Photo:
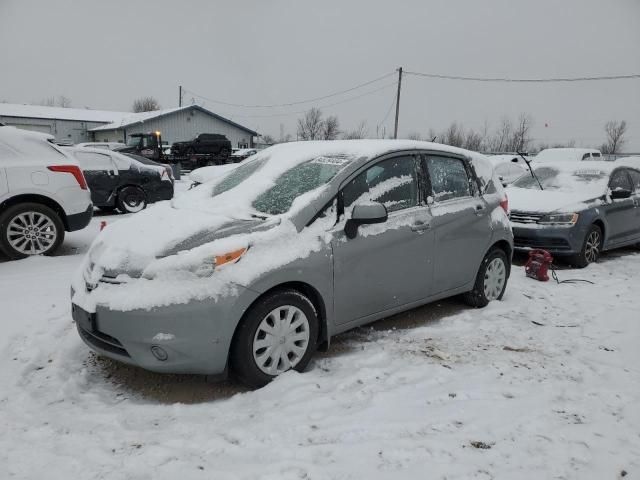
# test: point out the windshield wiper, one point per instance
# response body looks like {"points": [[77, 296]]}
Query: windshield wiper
{"points": [[261, 217], [528, 162]]}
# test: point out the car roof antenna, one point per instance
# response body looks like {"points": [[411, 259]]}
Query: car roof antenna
{"points": [[528, 162]]}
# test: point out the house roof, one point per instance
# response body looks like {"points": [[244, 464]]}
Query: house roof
{"points": [[59, 113], [136, 118]]}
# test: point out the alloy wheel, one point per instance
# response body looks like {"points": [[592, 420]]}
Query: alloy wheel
{"points": [[592, 247], [281, 340], [31, 233], [495, 277]]}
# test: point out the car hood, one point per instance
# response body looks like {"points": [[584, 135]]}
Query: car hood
{"points": [[547, 201], [130, 245]]}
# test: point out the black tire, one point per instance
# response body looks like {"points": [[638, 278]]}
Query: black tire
{"points": [[590, 252], [478, 297], [243, 363], [131, 200], [52, 236]]}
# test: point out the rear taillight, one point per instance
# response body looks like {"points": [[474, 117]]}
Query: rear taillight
{"points": [[504, 203], [73, 170]]}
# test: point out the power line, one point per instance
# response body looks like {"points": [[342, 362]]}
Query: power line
{"points": [[524, 80], [300, 102], [284, 114]]}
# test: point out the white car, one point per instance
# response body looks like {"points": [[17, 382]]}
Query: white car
{"points": [[43, 193], [103, 145], [554, 155]]}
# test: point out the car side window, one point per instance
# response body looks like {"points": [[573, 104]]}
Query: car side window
{"points": [[94, 161], [448, 177], [620, 181], [586, 156], [596, 155], [392, 182], [635, 179]]}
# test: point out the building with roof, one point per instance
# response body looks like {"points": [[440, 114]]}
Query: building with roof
{"points": [[175, 124], [78, 125]]}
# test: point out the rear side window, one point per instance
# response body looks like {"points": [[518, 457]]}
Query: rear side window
{"points": [[449, 178], [94, 161], [596, 155], [620, 181], [586, 156], [391, 182]]}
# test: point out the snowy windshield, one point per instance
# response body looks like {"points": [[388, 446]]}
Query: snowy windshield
{"points": [[288, 186], [134, 141], [569, 181]]}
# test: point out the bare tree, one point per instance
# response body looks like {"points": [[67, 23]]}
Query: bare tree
{"points": [[454, 135], [521, 136], [414, 136], [473, 140], [310, 126], [330, 128], [268, 139], [499, 141], [615, 131], [361, 131], [145, 104], [63, 101]]}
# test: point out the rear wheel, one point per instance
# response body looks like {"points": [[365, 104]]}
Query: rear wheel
{"points": [[491, 280], [30, 229], [277, 334], [131, 200], [591, 248]]}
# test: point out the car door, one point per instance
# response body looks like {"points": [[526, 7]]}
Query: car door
{"points": [[460, 220], [635, 196], [620, 212], [386, 265], [101, 174]]}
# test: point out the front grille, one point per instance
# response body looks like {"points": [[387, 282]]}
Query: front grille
{"points": [[525, 217], [553, 243], [102, 341]]}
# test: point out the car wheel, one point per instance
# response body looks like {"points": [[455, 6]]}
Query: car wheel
{"points": [[491, 280], [277, 334], [30, 229], [591, 248], [131, 200]]}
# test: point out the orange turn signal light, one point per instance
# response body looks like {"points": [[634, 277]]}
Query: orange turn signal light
{"points": [[229, 257]]}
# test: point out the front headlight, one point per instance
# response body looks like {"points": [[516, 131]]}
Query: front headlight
{"points": [[559, 219], [178, 266]]}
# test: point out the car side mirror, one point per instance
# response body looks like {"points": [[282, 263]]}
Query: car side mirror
{"points": [[620, 193], [365, 214]]}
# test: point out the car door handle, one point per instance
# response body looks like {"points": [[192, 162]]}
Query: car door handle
{"points": [[420, 226]]}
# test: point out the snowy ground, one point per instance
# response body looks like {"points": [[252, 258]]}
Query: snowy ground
{"points": [[439, 392]]}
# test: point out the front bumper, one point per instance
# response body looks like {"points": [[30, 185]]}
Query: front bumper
{"points": [[195, 337], [556, 240], [79, 220]]}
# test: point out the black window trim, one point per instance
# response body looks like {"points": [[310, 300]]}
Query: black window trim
{"points": [[625, 170], [421, 198]]}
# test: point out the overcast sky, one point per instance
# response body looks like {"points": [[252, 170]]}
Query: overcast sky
{"points": [[103, 54]]}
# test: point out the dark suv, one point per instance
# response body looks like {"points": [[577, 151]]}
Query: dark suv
{"points": [[205, 143]]}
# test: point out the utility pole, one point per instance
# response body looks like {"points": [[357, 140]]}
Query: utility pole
{"points": [[395, 130], [179, 95]]}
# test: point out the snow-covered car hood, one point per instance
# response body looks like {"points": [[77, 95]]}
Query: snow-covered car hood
{"points": [[130, 245], [547, 201]]}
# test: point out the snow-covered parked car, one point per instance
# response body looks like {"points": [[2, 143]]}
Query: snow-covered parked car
{"points": [[257, 269], [556, 155], [581, 210], [43, 193], [124, 181], [242, 154]]}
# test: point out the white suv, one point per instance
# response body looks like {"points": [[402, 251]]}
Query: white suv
{"points": [[42, 193]]}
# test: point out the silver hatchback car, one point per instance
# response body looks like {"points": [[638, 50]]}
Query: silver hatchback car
{"points": [[255, 270]]}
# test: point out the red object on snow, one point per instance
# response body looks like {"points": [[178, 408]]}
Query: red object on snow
{"points": [[537, 267], [102, 224]]}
